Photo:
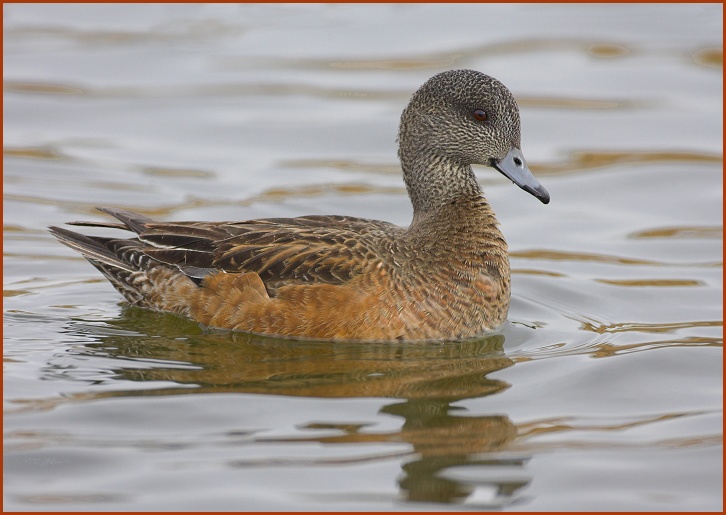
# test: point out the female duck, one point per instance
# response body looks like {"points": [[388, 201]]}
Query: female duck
{"points": [[342, 278]]}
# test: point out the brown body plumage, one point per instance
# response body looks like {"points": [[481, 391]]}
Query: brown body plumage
{"points": [[332, 277]]}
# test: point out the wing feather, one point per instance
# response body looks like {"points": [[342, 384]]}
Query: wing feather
{"points": [[327, 249]]}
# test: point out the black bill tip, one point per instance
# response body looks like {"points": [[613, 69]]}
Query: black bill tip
{"points": [[514, 167]]}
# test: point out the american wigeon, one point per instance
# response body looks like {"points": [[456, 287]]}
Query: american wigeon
{"points": [[444, 277]]}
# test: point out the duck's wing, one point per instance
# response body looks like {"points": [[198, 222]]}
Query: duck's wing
{"points": [[328, 249]]}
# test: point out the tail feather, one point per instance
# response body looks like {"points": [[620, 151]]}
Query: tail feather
{"points": [[130, 220], [122, 261], [93, 248]]}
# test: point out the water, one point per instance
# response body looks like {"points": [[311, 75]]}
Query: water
{"points": [[603, 392]]}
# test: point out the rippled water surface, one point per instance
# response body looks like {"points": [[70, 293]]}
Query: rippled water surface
{"points": [[603, 392]]}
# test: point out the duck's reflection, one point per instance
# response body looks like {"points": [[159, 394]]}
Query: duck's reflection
{"points": [[443, 440], [425, 379]]}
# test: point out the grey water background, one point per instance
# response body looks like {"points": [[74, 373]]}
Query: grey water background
{"points": [[603, 392]]}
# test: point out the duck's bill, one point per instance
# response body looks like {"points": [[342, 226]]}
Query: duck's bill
{"points": [[514, 167]]}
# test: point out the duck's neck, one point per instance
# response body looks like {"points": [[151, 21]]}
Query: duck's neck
{"points": [[435, 182], [464, 223], [449, 208]]}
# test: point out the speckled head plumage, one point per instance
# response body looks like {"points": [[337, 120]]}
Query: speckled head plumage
{"points": [[440, 118], [456, 119]]}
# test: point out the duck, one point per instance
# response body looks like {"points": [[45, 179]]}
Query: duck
{"points": [[341, 278]]}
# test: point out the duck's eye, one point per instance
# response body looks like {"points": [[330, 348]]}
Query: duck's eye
{"points": [[480, 115]]}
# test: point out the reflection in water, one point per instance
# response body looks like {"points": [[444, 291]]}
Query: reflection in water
{"points": [[555, 255], [711, 57], [425, 379], [580, 161], [683, 232], [441, 441]]}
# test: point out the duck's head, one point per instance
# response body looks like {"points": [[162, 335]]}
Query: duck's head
{"points": [[464, 117]]}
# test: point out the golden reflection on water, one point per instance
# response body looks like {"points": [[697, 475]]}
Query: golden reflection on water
{"points": [[555, 255], [607, 50], [661, 283], [699, 232], [178, 172], [41, 88], [589, 160], [528, 271], [33, 153], [668, 327], [563, 425], [575, 103], [342, 165], [578, 256], [712, 57], [390, 64], [606, 349]]}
